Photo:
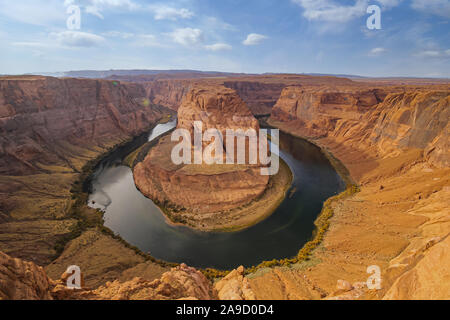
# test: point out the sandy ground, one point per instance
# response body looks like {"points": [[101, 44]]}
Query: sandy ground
{"points": [[402, 211]]}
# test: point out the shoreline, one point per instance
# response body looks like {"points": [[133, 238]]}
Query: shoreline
{"points": [[286, 177], [258, 209], [80, 194], [337, 164], [381, 222], [322, 221], [215, 273]]}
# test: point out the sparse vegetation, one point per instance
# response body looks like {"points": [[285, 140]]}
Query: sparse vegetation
{"points": [[89, 218], [322, 225]]}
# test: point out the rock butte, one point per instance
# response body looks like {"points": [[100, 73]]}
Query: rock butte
{"points": [[208, 197], [391, 134]]}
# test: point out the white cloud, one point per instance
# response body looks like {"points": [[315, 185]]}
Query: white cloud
{"points": [[213, 23], [160, 11], [376, 52], [218, 47], [254, 39], [187, 36], [434, 54], [41, 13], [77, 39], [148, 40], [328, 10], [63, 40], [164, 12], [137, 40], [118, 34], [95, 11], [389, 3], [95, 7], [430, 53], [30, 44], [331, 11], [437, 7], [38, 54]]}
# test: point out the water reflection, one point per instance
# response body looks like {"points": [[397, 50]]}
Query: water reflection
{"points": [[140, 222]]}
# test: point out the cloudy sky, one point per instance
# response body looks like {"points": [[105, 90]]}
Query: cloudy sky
{"points": [[254, 36]]}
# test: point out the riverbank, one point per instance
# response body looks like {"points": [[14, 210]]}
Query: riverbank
{"points": [[237, 218], [322, 222], [234, 220], [241, 218], [257, 211], [306, 153], [88, 238], [141, 222]]}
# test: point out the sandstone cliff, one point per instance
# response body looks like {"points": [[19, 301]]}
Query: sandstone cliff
{"points": [[203, 188], [392, 121], [394, 143], [417, 120], [20, 280], [49, 129], [259, 96], [168, 93], [393, 139], [316, 111], [260, 93], [41, 119], [216, 108], [202, 195]]}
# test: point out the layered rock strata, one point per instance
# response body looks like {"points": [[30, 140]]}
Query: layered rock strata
{"points": [[49, 130], [20, 280], [205, 195], [43, 119], [385, 119], [393, 140], [395, 149]]}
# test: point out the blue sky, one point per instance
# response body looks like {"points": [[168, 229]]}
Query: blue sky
{"points": [[253, 36]]}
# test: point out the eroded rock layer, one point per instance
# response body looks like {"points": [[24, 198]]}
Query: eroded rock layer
{"points": [[20, 280], [208, 190], [260, 93], [395, 145], [392, 135], [168, 93], [391, 119], [49, 130], [42, 118]]}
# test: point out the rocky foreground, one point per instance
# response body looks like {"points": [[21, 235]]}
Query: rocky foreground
{"points": [[394, 140], [20, 280]]}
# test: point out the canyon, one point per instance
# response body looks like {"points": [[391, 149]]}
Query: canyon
{"points": [[392, 137], [50, 130]]}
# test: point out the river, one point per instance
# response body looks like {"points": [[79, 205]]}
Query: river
{"points": [[141, 223]]}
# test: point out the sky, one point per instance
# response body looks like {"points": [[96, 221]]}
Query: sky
{"points": [[250, 36]]}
